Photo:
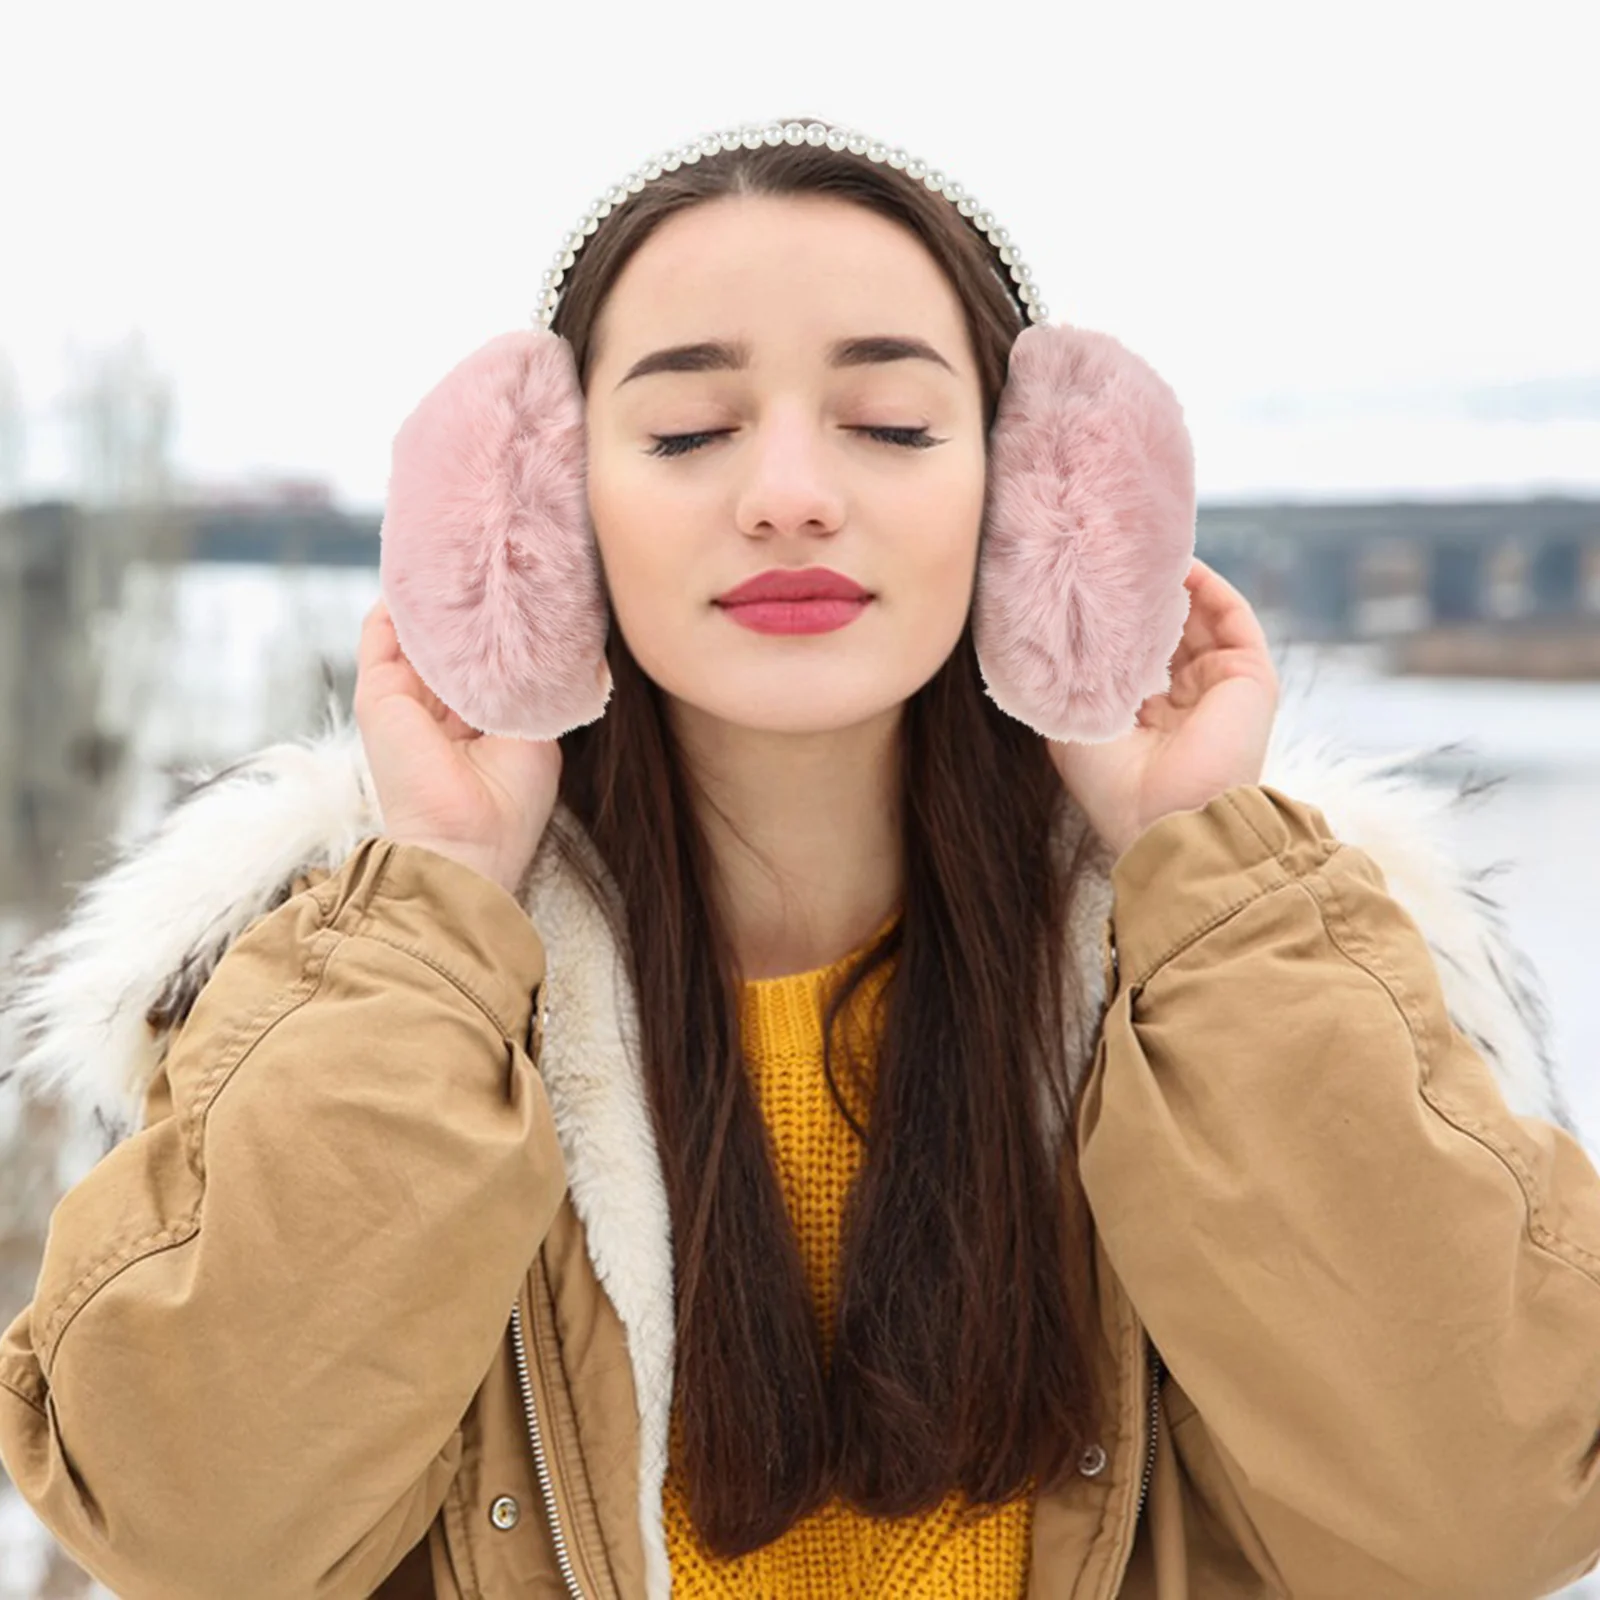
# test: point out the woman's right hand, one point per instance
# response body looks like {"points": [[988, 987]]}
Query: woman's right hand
{"points": [[481, 799]]}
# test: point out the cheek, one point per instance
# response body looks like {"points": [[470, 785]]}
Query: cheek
{"points": [[940, 525], [649, 551], [632, 527]]}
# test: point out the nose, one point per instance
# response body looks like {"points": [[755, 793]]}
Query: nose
{"points": [[791, 480]]}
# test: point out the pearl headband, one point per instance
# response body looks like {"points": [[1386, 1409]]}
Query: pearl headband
{"points": [[753, 137]]}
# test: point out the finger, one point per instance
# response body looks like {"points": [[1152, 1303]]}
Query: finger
{"points": [[382, 667], [378, 642]]}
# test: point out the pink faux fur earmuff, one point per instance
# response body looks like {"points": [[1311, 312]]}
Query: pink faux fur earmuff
{"points": [[486, 557]]}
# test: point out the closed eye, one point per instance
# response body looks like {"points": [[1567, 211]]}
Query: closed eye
{"points": [[679, 444]]}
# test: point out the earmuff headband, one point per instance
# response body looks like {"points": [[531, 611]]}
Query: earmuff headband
{"points": [[491, 572]]}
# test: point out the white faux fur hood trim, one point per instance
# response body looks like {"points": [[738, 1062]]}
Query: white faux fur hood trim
{"points": [[73, 1016], [73, 1008]]}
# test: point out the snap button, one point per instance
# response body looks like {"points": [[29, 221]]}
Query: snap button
{"points": [[1092, 1461], [504, 1512]]}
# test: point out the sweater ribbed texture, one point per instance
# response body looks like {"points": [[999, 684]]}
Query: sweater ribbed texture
{"points": [[835, 1553]]}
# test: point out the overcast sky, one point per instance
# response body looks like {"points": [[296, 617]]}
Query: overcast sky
{"points": [[1358, 239]]}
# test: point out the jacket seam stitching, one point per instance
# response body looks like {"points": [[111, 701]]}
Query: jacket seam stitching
{"points": [[266, 1017], [1331, 910], [1232, 803], [363, 929], [455, 980], [456, 1500], [172, 1236], [1207, 924], [27, 1399], [1275, 858]]}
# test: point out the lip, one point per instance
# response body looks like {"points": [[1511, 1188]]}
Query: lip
{"points": [[794, 584], [796, 616]]}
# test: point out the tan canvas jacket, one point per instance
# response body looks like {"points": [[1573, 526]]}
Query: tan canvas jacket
{"points": [[371, 1291]]}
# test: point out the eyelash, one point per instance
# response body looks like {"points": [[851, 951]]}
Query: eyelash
{"points": [[669, 445]]}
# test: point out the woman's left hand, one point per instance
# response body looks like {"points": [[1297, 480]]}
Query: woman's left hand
{"points": [[1207, 733]]}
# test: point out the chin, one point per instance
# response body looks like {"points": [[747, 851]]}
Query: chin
{"points": [[795, 701], [814, 689]]}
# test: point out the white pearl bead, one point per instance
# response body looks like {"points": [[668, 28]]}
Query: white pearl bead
{"points": [[915, 169], [816, 132], [773, 133], [795, 132], [897, 159], [752, 139], [856, 144], [964, 207], [837, 140], [876, 152]]}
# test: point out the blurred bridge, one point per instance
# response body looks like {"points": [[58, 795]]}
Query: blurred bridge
{"points": [[1506, 588]]}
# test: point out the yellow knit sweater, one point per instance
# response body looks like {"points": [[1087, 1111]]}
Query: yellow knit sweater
{"points": [[836, 1553]]}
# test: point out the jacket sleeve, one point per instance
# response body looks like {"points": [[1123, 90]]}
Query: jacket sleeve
{"points": [[260, 1319], [1378, 1288]]}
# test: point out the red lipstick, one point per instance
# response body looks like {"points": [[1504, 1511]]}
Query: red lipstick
{"points": [[795, 600]]}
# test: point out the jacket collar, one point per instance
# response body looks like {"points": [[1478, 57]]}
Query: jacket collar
{"points": [[73, 1022]]}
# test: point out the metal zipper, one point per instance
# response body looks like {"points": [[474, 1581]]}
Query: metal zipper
{"points": [[546, 1484], [1157, 1367]]}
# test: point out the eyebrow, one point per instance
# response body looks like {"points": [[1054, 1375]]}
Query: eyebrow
{"points": [[721, 355]]}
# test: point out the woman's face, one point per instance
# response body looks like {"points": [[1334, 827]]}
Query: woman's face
{"points": [[790, 475]]}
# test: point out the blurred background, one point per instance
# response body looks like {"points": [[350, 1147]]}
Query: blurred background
{"points": [[238, 244]]}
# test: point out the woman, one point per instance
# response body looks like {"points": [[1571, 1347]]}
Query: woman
{"points": [[802, 1132]]}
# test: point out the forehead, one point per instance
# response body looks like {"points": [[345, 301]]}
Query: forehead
{"points": [[804, 266]]}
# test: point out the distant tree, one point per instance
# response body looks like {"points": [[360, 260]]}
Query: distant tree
{"points": [[13, 433], [119, 414]]}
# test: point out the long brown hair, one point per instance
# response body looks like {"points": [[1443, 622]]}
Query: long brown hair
{"points": [[959, 1354]]}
